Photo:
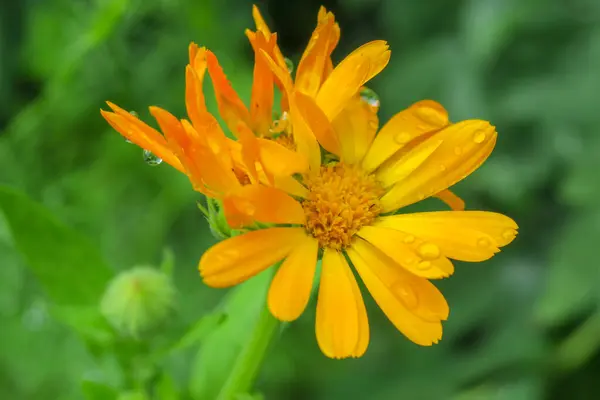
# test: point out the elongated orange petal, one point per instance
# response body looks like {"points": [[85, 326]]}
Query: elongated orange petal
{"points": [[291, 186], [311, 67], [461, 235], [261, 101], [356, 126], [318, 123], [256, 202], [250, 148], [349, 75], [279, 160], [141, 134], [451, 199], [333, 42], [462, 148], [231, 107], [290, 289], [194, 78], [412, 304], [342, 325], [403, 128], [234, 260], [412, 253], [303, 136]]}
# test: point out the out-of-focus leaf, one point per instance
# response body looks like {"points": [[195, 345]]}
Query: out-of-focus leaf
{"points": [[87, 322], [68, 267], [98, 391], [199, 331], [166, 389], [220, 349]]}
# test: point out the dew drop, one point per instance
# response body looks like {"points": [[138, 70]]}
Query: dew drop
{"points": [[402, 137], [134, 114], [509, 234], [483, 242], [442, 167], [430, 116], [151, 159], [424, 265], [409, 239], [370, 97], [407, 295], [479, 137], [289, 64], [429, 251]]}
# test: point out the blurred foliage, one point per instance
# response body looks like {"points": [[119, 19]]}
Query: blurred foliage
{"points": [[78, 204]]}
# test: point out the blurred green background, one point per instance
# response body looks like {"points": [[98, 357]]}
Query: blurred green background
{"points": [[79, 203]]}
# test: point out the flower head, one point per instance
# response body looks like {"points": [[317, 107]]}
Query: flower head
{"points": [[331, 183]]}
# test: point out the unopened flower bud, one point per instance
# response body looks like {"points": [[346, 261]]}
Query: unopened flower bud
{"points": [[137, 300]]}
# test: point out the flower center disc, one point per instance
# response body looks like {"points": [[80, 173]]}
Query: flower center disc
{"points": [[341, 200]]}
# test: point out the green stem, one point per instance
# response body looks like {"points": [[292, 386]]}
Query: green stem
{"points": [[250, 359]]}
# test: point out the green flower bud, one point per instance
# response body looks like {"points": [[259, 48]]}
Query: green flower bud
{"points": [[137, 300]]}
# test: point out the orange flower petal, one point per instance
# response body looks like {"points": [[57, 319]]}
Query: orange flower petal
{"points": [[256, 202], [318, 123], [403, 128], [141, 134], [303, 136], [194, 77], [458, 150], [413, 254], [311, 67], [261, 101], [461, 235], [291, 186], [451, 199], [333, 42], [290, 289], [279, 160], [236, 259], [356, 126], [352, 73], [342, 325], [231, 107], [412, 304]]}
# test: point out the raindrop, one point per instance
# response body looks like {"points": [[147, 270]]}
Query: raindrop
{"points": [[402, 137], [370, 97], [509, 234], [289, 64], [424, 265], [407, 295], [442, 167], [483, 242], [134, 114], [429, 251], [431, 116], [151, 159], [479, 137], [409, 239]]}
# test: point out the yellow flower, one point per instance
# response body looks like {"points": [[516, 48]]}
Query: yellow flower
{"points": [[329, 184], [348, 211]]}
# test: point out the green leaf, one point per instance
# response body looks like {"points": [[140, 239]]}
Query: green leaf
{"points": [[98, 391], [220, 350], [199, 331], [68, 267]]}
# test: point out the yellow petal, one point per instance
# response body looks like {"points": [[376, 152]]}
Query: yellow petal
{"points": [[349, 75], [412, 304], [311, 67], [356, 126], [261, 203], [413, 254], [232, 109], [403, 128], [291, 186], [234, 260], [279, 160], [458, 150], [141, 134], [303, 136], [333, 42], [194, 77], [342, 325], [318, 123], [261, 101], [290, 289], [259, 21], [461, 235], [451, 199]]}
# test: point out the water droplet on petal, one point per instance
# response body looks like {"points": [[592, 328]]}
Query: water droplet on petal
{"points": [[483, 242], [134, 114], [430, 116], [424, 265], [409, 239], [370, 97], [289, 64], [509, 234], [406, 294], [442, 167], [479, 137], [429, 251], [151, 159], [402, 137]]}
